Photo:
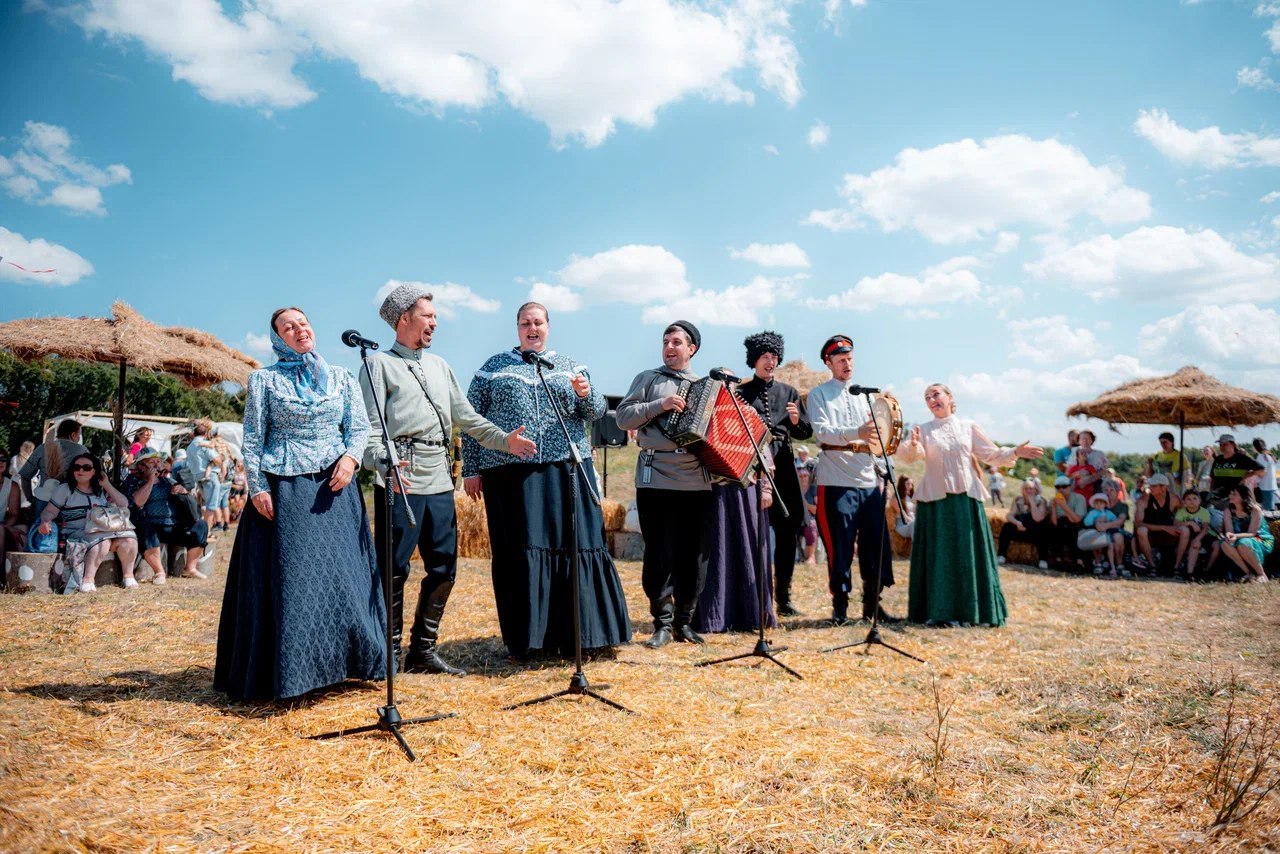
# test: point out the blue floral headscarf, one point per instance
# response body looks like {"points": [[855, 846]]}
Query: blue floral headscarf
{"points": [[309, 370]]}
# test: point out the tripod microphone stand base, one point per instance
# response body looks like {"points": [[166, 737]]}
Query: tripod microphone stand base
{"points": [[578, 685], [762, 650], [873, 639], [389, 720]]}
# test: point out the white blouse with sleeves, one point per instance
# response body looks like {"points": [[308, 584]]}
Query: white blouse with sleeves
{"points": [[950, 446]]}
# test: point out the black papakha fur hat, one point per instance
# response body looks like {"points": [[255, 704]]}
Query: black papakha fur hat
{"points": [[761, 343]]}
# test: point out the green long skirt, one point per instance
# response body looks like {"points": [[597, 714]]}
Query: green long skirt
{"points": [[953, 565]]}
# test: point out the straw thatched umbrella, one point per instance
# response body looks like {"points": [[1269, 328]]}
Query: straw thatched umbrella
{"points": [[797, 373], [1189, 398], [127, 338]]}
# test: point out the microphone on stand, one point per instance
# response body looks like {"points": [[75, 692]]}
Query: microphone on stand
{"points": [[354, 339], [533, 358], [723, 376], [863, 389]]}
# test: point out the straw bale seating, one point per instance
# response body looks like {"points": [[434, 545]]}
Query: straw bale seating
{"points": [[473, 525], [32, 572]]}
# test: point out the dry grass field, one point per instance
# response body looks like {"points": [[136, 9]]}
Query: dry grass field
{"points": [[1093, 721]]}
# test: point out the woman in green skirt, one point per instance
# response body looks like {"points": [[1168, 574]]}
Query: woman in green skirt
{"points": [[954, 580]]}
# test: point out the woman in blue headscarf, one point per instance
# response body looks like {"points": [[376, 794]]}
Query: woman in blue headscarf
{"points": [[303, 605]]}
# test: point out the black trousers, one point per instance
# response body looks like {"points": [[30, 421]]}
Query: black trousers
{"points": [[676, 527], [1036, 533], [436, 535]]}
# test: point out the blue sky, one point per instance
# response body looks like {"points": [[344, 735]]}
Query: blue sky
{"points": [[1033, 202]]}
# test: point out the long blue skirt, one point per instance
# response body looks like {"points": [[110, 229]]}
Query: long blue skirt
{"points": [[527, 505], [728, 602], [303, 606]]}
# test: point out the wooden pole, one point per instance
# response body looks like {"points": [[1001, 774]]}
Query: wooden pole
{"points": [[118, 426], [1182, 454]]}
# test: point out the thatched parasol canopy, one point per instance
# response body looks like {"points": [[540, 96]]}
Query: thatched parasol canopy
{"points": [[127, 338], [1189, 398], [797, 373], [197, 358]]}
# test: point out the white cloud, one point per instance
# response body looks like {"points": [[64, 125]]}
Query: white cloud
{"points": [[257, 344], [1046, 340], [1270, 197], [38, 254], [1006, 242], [950, 281], [633, 274], [1209, 146], [964, 190], [751, 304], [1024, 403], [772, 255], [555, 297], [448, 297], [579, 66], [248, 62], [44, 171], [1163, 264], [1240, 336], [831, 9], [1255, 78], [819, 135], [772, 149]]}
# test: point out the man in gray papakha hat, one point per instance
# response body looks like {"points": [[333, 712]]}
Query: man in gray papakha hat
{"points": [[420, 398]]}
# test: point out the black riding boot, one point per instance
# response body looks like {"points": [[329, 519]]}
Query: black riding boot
{"points": [[422, 657], [683, 626], [839, 608], [663, 614], [782, 592], [869, 604]]}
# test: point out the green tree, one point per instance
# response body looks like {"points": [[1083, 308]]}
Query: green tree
{"points": [[33, 391]]}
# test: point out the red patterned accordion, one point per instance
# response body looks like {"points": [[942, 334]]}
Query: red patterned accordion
{"points": [[710, 426]]}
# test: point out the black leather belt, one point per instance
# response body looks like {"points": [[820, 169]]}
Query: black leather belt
{"points": [[426, 443]]}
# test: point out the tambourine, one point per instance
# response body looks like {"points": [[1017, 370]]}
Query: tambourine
{"points": [[887, 415]]}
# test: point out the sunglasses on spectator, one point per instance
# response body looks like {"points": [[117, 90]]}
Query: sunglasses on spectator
{"points": [[82, 467]]}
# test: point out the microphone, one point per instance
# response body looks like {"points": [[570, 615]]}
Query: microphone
{"points": [[532, 358], [723, 376], [862, 389], [354, 339]]}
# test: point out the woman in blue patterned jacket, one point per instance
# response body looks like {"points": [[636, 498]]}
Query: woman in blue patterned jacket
{"points": [[527, 501], [303, 605]]}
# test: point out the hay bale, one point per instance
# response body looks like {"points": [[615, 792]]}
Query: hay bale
{"points": [[615, 514], [473, 527], [1018, 552]]}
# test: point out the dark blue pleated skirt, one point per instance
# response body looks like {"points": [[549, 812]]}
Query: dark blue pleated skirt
{"points": [[527, 506], [728, 602], [303, 608]]}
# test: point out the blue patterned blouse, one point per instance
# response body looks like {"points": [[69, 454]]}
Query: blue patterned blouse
{"points": [[507, 392], [286, 435]]}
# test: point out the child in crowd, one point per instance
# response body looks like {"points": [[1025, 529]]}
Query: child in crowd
{"points": [[1195, 518], [1101, 536], [996, 485]]}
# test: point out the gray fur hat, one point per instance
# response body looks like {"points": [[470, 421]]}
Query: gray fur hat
{"points": [[401, 300]]}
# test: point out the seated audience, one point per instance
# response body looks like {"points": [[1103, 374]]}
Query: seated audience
{"points": [[1089, 465], [12, 532], [1204, 472], [1140, 488], [1194, 517], [51, 458], [1066, 515], [1027, 522], [87, 487], [1246, 538], [1115, 491], [1171, 463], [1154, 527], [149, 493], [1101, 535], [1267, 479], [141, 439], [903, 521]]}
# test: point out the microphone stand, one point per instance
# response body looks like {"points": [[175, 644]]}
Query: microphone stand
{"points": [[873, 636], [762, 648], [389, 719], [578, 684]]}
